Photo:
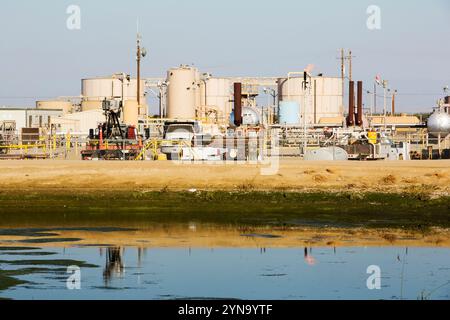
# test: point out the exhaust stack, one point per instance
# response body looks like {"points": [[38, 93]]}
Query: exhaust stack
{"points": [[238, 104], [359, 115], [351, 104]]}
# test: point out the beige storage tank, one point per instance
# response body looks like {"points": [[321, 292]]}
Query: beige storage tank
{"points": [[65, 106], [91, 105], [110, 87], [131, 112], [182, 92], [323, 101], [218, 94]]}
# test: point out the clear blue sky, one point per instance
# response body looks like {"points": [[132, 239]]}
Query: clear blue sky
{"points": [[41, 58]]}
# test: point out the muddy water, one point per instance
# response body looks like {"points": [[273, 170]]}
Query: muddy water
{"points": [[111, 272]]}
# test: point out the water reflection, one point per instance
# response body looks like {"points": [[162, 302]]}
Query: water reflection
{"points": [[242, 273], [114, 264]]}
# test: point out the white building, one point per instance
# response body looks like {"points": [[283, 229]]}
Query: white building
{"points": [[29, 117]]}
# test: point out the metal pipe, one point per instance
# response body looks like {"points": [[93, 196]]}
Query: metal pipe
{"points": [[315, 101], [359, 116], [238, 104]]}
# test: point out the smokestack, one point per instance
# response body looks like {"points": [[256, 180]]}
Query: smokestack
{"points": [[351, 104], [359, 116], [393, 104], [238, 104]]}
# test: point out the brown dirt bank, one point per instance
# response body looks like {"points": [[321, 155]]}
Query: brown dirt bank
{"points": [[431, 177]]}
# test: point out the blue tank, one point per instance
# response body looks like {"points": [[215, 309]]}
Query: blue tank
{"points": [[289, 113]]}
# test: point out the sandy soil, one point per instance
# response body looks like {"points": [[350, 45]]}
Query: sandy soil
{"points": [[225, 237], [295, 175]]}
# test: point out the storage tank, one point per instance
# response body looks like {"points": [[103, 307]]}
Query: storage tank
{"points": [[91, 105], [324, 99], [182, 92], [218, 94], [289, 113], [65, 106], [110, 87], [131, 112], [439, 123], [326, 154]]}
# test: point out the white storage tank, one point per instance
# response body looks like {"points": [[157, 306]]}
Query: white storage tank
{"points": [[183, 92], [65, 106], [98, 89], [218, 94], [131, 113], [439, 124], [324, 100]]}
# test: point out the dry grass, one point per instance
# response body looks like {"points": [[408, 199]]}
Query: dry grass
{"points": [[390, 179], [320, 178]]}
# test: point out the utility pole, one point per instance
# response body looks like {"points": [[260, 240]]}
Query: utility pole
{"points": [[350, 66], [140, 53], [385, 86], [343, 73], [138, 58]]}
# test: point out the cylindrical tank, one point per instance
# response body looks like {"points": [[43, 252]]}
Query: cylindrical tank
{"points": [[65, 106], [91, 105], [324, 99], [131, 112], [289, 113], [218, 94], [182, 93], [109, 88], [439, 124]]}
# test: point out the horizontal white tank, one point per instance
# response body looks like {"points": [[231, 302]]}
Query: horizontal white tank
{"points": [[98, 89], [183, 92], [325, 94], [326, 154]]}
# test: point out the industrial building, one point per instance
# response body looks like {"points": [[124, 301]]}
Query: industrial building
{"points": [[305, 112]]}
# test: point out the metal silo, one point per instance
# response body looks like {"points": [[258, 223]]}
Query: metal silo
{"points": [[182, 92]]}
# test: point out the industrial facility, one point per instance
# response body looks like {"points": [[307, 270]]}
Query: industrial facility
{"points": [[206, 118]]}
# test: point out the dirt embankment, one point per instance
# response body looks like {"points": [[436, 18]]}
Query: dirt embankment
{"points": [[431, 177]]}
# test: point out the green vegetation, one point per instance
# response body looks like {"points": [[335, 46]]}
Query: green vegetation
{"points": [[118, 208]]}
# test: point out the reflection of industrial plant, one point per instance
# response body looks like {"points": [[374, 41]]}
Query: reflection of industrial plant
{"points": [[313, 116], [114, 266]]}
